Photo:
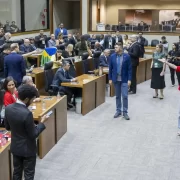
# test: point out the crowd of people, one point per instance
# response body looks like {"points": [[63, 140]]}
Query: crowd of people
{"points": [[120, 54]]}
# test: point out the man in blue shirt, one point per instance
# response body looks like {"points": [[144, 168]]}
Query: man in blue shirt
{"points": [[120, 71], [26, 47], [61, 29]]}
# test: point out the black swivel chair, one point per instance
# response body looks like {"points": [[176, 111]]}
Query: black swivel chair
{"points": [[96, 56], [61, 47], [85, 56], [154, 42], [49, 75], [146, 42], [85, 63], [86, 36]]}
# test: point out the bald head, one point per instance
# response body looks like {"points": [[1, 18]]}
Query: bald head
{"points": [[7, 36]]}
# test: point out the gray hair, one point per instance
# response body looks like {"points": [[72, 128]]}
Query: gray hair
{"points": [[26, 79], [134, 36], [65, 63], [14, 46], [106, 50]]}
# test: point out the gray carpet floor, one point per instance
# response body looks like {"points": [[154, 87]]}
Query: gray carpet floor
{"points": [[98, 147]]}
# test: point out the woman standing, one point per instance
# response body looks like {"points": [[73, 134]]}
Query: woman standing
{"points": [[172, 58], [11, 94], [158, 68]]}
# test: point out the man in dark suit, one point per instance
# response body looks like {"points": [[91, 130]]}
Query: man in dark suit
{"points": [[26, 47], [14, 64], [104, 59], [118, 38], [62, 75], [120, 75], [141, 41], [134, 53], [109, 41], [5, 39], [19, 120], [41, 40], [6, 51], [71, 40]]}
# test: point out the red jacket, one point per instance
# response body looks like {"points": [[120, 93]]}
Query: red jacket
{"points": [[178, 70], [9, 99]]}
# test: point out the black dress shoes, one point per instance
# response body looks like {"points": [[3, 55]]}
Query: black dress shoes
{"points": [[126, 117]]}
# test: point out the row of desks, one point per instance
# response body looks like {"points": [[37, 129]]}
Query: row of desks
{"points": [[56, 127]]}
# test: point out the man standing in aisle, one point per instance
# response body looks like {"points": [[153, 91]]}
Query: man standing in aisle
{"points": [[120, 71], [134, 53], [19, 120]]}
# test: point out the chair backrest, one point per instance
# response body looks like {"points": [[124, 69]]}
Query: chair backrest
{"points": [[61, 47], [154, 42], [146, 42], [85, 55], [96, 56], [49, 75], [86, 67]]}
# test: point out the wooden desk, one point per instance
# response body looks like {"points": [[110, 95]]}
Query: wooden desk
{"points": [[38, 77], [5, 162], [37, 57], [56, 125], [93, 91], [149, 50]]}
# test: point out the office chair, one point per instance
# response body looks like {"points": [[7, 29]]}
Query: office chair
{"points": [[61, 47], [93, 43], [85, 56], [49, 75], [154, 42], [146, 42], [96, 56], [86, 36], [114, 28]]}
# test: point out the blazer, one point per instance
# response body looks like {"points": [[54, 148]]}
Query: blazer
{"points": [[60, 77], [104, 61], [39, 43], [25, 49], [19, 120], [134, 52], [14, 65], [57, 31], [9, 98], [119, 39], [106, 43], [126, 71], [51, 43], [141, 42]]}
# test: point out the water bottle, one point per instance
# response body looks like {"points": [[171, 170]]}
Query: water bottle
{"points": [[2, 114], [58, 96], [43, 105], [100, 71]]}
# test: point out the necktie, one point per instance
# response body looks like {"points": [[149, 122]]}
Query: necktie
{"points": [[118, 64]]}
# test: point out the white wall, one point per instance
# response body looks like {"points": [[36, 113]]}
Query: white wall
{"points": [[94, 15], [33, 9], [84, 16], [5, 11]]}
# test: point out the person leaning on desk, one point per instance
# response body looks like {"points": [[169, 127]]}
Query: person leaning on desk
{"points": [[62, 75]]}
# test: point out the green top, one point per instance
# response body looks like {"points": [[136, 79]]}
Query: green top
{"points": [[156, 56]]}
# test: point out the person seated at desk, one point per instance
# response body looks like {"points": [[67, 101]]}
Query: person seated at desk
{"points": [[32, 43], [28, 80], [11, 94], [57, 59], [104, 59], [97, 47], [52, 41], [6, 51], [60, 40], [69, 52], [62, 75], [26, 47], [71, 40]]}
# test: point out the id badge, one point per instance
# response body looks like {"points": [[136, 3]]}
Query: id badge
{"points": [[43, 42], [156, 65]]}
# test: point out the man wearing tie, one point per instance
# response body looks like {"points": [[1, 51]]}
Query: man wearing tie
{"points": [[104, 59], [62, 75], [118, 37], [134, 53], [120, 75]]}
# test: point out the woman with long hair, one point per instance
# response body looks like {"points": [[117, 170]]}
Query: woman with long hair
{"points": [[60, 39], [11, 94], [158, 69], [57, 59], [69, 51]]}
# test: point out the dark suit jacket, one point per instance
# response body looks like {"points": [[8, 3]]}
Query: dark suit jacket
{"points": [[71, 41], [141, 42], [61, 76], [106, 43], [39, 43], [2, 56], [119, 39], [19, 120], [126, 70], [25, 49], [104, 61], [134, 52], [14, 65]]}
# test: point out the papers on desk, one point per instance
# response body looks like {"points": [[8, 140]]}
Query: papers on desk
{"points": [[32, 108], [86, 80]]}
